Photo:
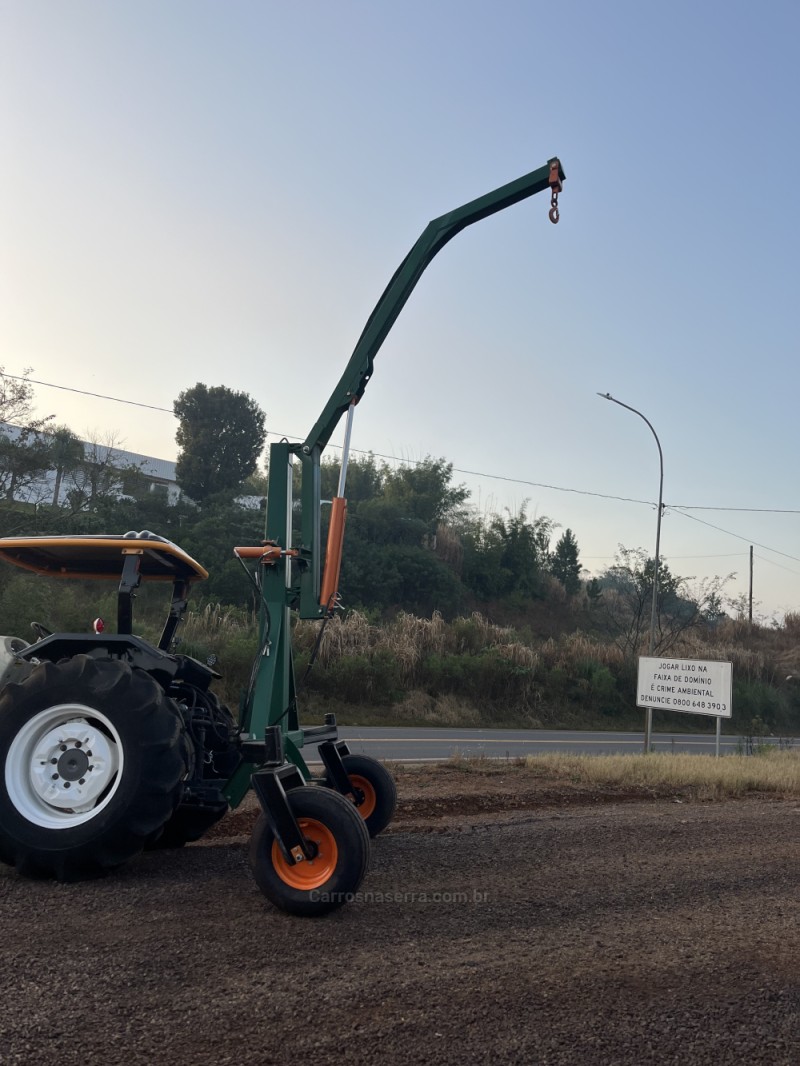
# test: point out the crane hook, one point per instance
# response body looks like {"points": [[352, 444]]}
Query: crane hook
{"points": [[555, 189]]}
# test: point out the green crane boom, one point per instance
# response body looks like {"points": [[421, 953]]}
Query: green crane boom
{"points": [[291, 576], [433, 238]]}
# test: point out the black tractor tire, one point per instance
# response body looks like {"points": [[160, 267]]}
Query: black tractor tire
{"points": [[375, 789], [92, 764], [192, 820], [313, 888]]}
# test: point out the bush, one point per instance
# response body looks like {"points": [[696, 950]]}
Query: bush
{"points": [[757, 701], [359, 679], [63, 606], [488, 678]]}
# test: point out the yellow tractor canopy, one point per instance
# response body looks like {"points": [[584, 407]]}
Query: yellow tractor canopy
{"points": [[102, 556]]}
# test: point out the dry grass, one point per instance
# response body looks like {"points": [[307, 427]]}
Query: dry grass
{"points": [[705, 777], [757, 654], [215, 620], [445, 710], [472, 671], [574, 648], [411, 639]]}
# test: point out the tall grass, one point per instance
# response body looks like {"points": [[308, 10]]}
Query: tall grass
{"points": [[425, 667], [468, 671], [703, 776], [471, 671]]}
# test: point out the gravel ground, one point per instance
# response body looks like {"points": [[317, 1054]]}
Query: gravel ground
{"points": [[624, 932]]}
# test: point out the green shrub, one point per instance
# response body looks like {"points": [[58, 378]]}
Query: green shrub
{"points": [[359, 679], [757, 701]]}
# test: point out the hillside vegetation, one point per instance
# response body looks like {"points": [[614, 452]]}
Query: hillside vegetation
{"points": [[450, 617], [551, 671]]}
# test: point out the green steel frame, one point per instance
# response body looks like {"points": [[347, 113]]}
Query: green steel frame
{"points": [[295, 581]]}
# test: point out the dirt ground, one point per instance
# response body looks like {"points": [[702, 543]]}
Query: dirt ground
{"points": [[503, 920]]}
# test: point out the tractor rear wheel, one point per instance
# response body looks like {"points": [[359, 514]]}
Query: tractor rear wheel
{"points": [[319, 885], [219, 756], [92, 764], [376, 792]]}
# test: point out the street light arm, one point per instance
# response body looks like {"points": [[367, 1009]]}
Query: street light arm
{"points": [[608, 396], [654, 604]]}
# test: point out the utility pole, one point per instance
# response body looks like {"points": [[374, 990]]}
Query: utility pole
{"points": [[648, 724]]}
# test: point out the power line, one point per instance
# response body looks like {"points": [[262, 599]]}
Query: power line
{"points": [[512, 480], [751, 510], [747, 540], [379, 455], [726, 555], [678, 508], [82, 392], [779, 565]]}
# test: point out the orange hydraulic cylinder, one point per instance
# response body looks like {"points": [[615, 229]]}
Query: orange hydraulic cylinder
{"points": [[333, 552]]}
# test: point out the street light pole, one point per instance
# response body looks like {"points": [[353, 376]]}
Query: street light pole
{"points": [[648, 730]]}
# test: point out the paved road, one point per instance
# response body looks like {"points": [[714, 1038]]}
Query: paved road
{"points": [[421, 744]]}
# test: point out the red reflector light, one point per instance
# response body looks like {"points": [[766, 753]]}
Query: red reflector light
{"points": [[98, 625]]}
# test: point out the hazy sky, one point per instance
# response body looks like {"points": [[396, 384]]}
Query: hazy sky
{"points": [[219, 192]]}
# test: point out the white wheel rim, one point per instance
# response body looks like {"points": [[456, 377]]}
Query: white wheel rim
{"points": [[64, 766]]}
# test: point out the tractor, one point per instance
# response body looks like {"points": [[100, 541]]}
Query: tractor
{"points": [[111, 745]]}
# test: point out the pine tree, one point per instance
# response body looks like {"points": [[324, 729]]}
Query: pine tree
{"points": [[564, 562]]}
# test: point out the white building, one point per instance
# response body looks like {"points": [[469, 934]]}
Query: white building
{"points": [[105, 468]]}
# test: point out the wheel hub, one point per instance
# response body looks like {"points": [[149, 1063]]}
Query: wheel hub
{"points": [[63, 765], [73, 764]]}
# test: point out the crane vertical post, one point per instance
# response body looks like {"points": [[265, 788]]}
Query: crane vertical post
{"points": [[272, 699]]}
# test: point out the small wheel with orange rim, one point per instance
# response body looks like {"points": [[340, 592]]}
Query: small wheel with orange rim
{"points": [[340, 845], [374, 790]]}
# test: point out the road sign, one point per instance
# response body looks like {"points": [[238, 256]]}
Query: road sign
{"points": [[694, 686]]}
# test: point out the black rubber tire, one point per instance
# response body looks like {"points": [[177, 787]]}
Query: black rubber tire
{"points": [[383, 786], [40, 837], [340, 819], [190, 822]]}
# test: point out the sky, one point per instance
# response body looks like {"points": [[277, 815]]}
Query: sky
{"points": [[219, 192]]}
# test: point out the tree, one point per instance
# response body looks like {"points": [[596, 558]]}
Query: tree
{"points": [[507, 555], [101, 474], [714, 611], [221, 434], [23, 452], [24, 461], [210, 538], [66, 455], [564, 562], [424, 491], [594, 592], [16, 402], [394, 517], [628, 598], [364, 478]]}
